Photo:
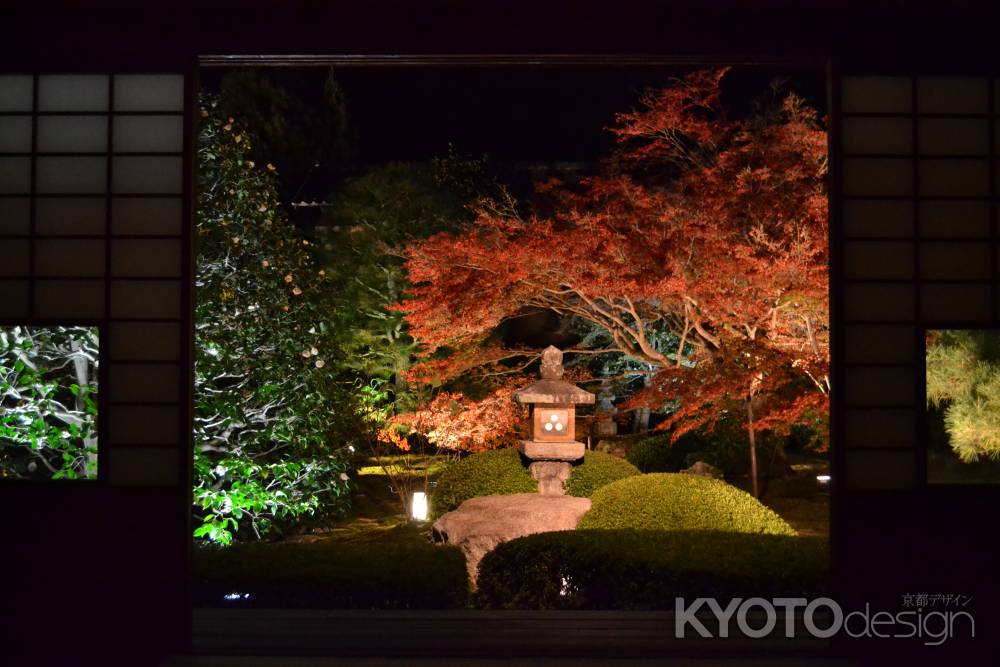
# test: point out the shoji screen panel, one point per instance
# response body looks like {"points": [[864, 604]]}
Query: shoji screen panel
{"points": [[918, 244], [92, 200]]}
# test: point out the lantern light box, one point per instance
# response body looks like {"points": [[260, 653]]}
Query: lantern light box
{"points": [[552, 402]]}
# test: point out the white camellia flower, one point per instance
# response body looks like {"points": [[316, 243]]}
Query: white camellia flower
{"points": [[343, 476], [320, 363]]}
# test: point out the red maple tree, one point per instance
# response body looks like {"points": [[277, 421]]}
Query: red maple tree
{"points": [[710, 228]]}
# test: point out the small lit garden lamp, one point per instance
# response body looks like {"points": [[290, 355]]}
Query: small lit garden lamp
{"points": [[552, 402], [418, 506]]}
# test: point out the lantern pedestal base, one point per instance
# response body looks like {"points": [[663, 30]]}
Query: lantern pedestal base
{"points": [[552, 451]]}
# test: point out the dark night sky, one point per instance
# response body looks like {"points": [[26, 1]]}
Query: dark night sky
{"points": [[511, 113]]}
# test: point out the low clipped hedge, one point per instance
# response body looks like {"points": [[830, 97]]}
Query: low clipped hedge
{"points": [[678, 501], [598, 469], [497, 472], [641, 569], [333, 575]]}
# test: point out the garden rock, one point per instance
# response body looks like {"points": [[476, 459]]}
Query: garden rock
{"points": [[704, 469], [480, 524]]}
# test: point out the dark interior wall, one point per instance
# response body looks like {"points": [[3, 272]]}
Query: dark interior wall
{"points": [[101, 568]]}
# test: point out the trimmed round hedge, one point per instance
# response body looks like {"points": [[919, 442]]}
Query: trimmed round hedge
{"points": [[642, 569], [598, 469], [497, 472], [678, 501]]}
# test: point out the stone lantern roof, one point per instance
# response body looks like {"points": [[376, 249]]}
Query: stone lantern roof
{"points": [[552, 388]]}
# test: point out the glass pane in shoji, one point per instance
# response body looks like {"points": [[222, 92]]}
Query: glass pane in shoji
{"points": [[149, 134], [878, 259], [877, 135], [885, 94], [880, 470], [14, 298], [955, 302], [142, 341], [146, 259], [15, 175], [15, 216], [954, 178], [157, 299], [954, 219], [72, 134], [955, 261], [960, 418], [69, 298], [71, 175], [143, 466], [879, 302], [48, 432], [16, 257], [147, 216], [16, 92], [71, 216], [878, 344], [880, 428], [878, 218], [144, 425], [879, 386], [952, 94], [871, 176], [144, 382], [149, 92], [954, 136], [69, 257], [73, 92], [15, 134], [147, 175]]}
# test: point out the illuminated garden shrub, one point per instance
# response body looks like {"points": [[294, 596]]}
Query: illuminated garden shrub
{"points": [[598, 469], [678, 501], [48, 402], [496, 472], [641, 569], [272, 415]]}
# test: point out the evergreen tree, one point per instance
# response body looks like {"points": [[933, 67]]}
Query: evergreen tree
{"points": [[272, 417], [963, 380]]}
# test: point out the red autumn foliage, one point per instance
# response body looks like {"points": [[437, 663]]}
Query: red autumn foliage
{"points": [[454, 421], [712, 228]]}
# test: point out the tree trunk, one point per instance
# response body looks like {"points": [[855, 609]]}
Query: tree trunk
{"points": [[753, 448], [641, 423], [82, 372]]}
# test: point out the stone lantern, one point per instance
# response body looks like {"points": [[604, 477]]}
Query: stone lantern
{"points": [[552, 402]]}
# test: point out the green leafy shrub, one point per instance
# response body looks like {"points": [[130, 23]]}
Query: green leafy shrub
{"points": [[496, 472], [331, 574], [634, 569], [272, 414], [598, 469], [677, 501], [48, 402], [658, 454], [725, 447]]}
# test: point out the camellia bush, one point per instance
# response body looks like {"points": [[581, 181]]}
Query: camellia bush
{"points": [[48, 402], [272, 416]]}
